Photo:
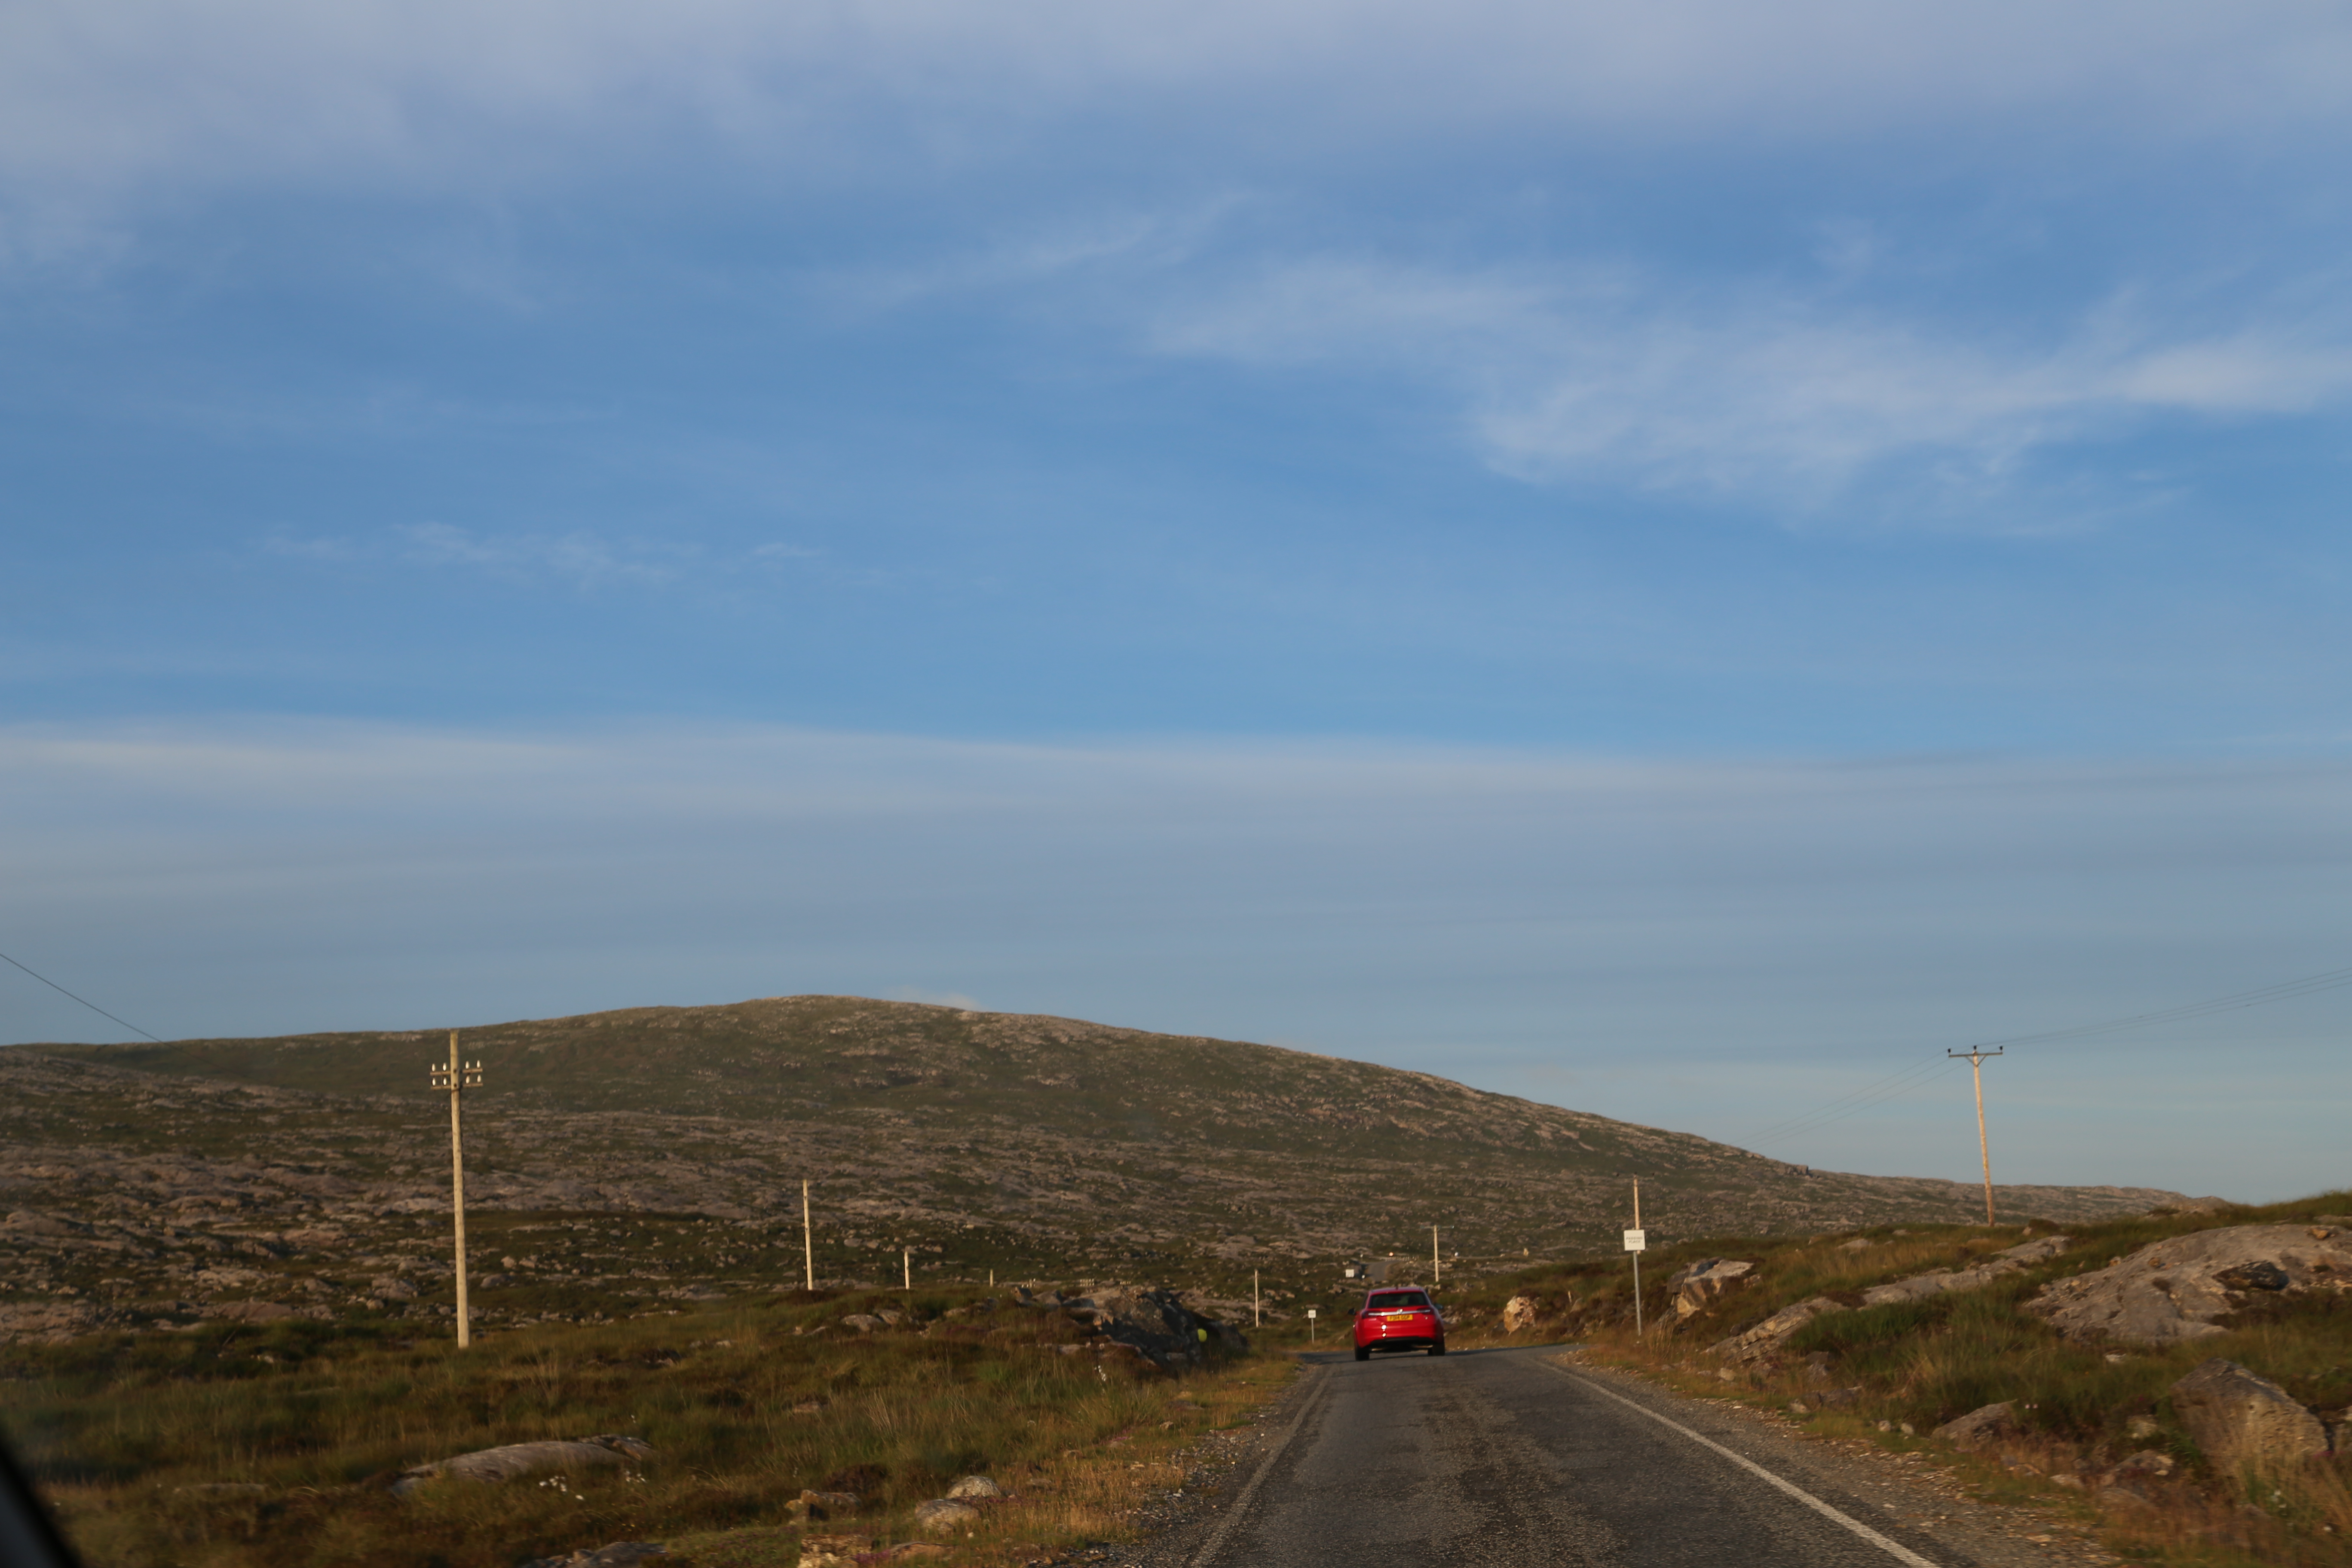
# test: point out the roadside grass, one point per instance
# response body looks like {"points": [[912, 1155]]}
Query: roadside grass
{"points": [[231, 1446], [1891, 1374]]}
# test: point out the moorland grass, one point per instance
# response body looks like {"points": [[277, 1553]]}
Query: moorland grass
{"points": [[262, 1447]]}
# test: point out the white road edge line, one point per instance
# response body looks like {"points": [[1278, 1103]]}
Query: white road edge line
{"points": [[1895, 1549], [1266, 1468]]}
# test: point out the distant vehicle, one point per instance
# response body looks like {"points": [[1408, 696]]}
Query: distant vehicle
{"points": [[1399, 1319]]}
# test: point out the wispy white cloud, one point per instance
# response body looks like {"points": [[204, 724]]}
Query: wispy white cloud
{"points": [[1126, 243], [1761, 394], [576, 556]]}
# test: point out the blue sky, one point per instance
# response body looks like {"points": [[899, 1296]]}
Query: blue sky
{"points": [[1572, 548]]}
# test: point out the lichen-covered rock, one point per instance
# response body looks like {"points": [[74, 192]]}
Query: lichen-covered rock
{"points": [[1155, 1324], [864, 1322], [944, 1514], [46, 1322], [1698, 1286], [1763, 1341], [2180, 1290], [832, 1551], [975, 1486], [1943, 1281], [515, 1461], [1985, 1425], [2239, 1418], [1518, 1312]]}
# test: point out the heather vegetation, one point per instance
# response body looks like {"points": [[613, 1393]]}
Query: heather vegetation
{"points": [[1025, 1144], [261, 1445]]}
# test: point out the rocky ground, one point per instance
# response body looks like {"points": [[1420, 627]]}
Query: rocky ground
{"points": [[619, 1162]]}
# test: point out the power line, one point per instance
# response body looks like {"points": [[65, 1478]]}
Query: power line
{"points": [[83, 1000], [1877, 1094], [1902, 1083], [2334, 979]]}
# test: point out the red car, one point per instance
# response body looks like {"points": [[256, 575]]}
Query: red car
{"points": [[1401, 1319]]}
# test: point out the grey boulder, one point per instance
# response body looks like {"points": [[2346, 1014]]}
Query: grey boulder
{"points": [[1698, 1286], [1944, 1282], [1155, 1324], [2241, 1418], [1985, 1425], [945, 1513], [516, 1461], [1764, 1342], [2180, 1290]]}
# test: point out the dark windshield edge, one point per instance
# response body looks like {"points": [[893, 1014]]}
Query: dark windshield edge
{"points": [[28, 1538]]}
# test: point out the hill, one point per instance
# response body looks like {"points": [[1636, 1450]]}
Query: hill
{"points": [[1034, 1146]]}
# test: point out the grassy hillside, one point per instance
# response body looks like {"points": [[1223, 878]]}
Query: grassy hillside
{"points": [[1017, 1113]]}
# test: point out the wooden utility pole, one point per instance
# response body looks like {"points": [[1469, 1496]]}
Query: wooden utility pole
{"points": [[906, 1262], [1257, 1315], [808, 1239], [458, 1078], [1436, 1269], [1976, 1060]]}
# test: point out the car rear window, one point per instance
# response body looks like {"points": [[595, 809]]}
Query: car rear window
{"points": [[1399, 1298]]}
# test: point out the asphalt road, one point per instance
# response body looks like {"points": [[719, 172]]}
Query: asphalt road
{"points": [[1497, 1457]]}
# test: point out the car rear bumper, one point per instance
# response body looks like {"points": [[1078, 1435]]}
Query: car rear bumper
{"points": [[1399, 1343]]}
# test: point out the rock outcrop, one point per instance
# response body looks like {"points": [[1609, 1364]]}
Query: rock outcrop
{"points": [[1942, 1281], [514, 1461], [941, 1514], [1518, 1312], [1763, 1341], [2180, 1289], [1155, 1324], [832, 1551], [2241, 1418], [1697, 1287], [1985, 1425], [975, 1486]]}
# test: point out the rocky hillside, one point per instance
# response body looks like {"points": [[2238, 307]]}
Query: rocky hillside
{"points": [[1035, 1146]]}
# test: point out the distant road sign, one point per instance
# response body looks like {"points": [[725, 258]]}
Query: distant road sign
{"points": [[1637, 1240]]}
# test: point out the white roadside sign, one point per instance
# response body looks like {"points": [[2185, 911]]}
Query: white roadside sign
{"points": [[1637, 1240]]}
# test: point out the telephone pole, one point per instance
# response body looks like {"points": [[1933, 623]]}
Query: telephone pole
{"points": [[1976, 1059], [808, 1239], [458, 1078], [1436, 1269]]}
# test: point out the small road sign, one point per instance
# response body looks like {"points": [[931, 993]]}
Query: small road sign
{"points": [[1637, 1240]]}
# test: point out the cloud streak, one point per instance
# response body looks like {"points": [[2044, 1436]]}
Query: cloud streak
{"points": [[1753, 394]]}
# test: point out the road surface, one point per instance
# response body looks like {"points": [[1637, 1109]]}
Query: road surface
{"points": [[1502, 1457]]}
